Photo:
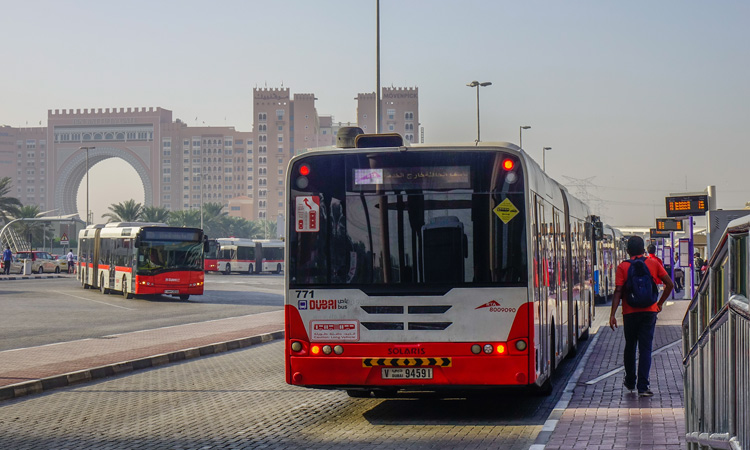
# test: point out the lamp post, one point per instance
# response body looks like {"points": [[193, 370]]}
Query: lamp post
{"points": [[201, 199], [477, 84], [87, 181], [520, 134], [544, 158]]}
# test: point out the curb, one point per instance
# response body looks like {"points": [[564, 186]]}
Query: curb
{"points": [[28, 277], [68, 379]]}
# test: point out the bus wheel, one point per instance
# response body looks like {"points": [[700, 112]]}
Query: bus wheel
{"points": [[278, 268], [546, 388], [250, 269], [227, 269], [83, 281], [103, 289], [184, 297], [125, 292], [57, 269], [40, 270]]}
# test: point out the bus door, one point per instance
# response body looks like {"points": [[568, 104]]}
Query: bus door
{"points": [[540, 287]]}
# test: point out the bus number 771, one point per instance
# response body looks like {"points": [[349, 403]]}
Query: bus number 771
{"points": [[304, 294]]}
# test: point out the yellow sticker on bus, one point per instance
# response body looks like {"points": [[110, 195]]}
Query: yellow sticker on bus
{"points": [[506, 210]]}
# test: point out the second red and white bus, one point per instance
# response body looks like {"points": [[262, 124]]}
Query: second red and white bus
{"points": [[250, 256], [432, 268], [141, 259]]}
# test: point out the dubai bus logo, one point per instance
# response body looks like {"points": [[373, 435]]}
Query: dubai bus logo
{"points": [[495, 306]]}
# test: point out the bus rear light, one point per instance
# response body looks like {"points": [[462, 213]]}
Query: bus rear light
{"points": [[508, 164], [488, 348], [327, 349], [304, 170], [338, 349], [146, 283], [315, 349], [521, 345], [501, 349], [296, 346], [476, 349]]}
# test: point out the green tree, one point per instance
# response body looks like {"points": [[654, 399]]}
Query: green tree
{"points": [[185, 218], [8, 205], [266, 229], [127, 211], [155, 214], [241, 228], [36, 229]]}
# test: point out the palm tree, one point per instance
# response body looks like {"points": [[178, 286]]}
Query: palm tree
{"points": [[266, 229], [185, 218], [157, 214], [8, 205], [127, 211], [35, 231]]}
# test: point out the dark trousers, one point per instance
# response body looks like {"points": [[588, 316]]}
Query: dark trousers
{"points": [[639, 332], [6, 267]]}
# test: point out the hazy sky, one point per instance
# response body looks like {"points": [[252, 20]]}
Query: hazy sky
{"points": [[640, 98]]}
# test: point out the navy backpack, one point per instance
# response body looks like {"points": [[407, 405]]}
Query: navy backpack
{"points": [[640, 289]]}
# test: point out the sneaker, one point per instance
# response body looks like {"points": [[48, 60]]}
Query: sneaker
{"points": [[629, 387], [646, 393]]}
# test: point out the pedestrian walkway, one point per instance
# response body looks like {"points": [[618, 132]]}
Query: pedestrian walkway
{"points": [[35, 369], [597, 412]]}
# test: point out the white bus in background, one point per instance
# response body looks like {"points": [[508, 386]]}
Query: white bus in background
{"points": [[248, 256]]}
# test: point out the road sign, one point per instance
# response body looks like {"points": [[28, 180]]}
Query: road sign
{"points": [[669, 225], [64, 240], [687, 205]]}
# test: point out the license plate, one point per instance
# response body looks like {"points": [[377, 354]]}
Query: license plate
{"points": [[412, 373], [171, 291]]}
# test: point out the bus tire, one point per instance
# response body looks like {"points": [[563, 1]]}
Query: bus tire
{"points": [[250, 270], [184, 297], [40, 269], [227, 269], [125, 292], [57, 269], [546, 388], [278, 268], [83, 280], [102, 289]]}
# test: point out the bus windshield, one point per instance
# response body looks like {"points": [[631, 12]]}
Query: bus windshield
{"points": [[410, 219], [155, 256]]}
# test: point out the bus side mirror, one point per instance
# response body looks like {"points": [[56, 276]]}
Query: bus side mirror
{"points": [[598, 231], [466, 246]]}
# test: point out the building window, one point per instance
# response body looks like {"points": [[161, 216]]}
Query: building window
{"points": [[408, 115], [280, 114], [391, 114]]}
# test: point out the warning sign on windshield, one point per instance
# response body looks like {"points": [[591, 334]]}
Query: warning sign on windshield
{"points": [[308, 214], [506, 210]]}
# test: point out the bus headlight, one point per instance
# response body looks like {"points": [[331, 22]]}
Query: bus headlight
{"points": [[521, 345], [338, 349]]}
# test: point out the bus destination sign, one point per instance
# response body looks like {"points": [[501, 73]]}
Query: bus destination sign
{"points": [[669, 225], [687, 205]]}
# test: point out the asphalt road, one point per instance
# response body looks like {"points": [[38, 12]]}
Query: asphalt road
{"points": [[46, 311]]}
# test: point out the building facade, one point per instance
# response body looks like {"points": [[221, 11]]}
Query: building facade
{"points": [[181, 166]]}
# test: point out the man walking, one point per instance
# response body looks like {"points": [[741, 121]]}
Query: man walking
{"points": [[7, 256], [70, 257], [639, 321]]}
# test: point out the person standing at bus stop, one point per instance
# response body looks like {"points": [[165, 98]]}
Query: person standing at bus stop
{"points": [[639, 323], [71, 263], [7, 256]]}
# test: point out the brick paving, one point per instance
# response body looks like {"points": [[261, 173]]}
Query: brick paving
{"points": [[602, 414]]}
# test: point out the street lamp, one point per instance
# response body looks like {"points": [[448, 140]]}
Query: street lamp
{"points": [[520, 134], [87, 181], [477, 84], [544, 158]]}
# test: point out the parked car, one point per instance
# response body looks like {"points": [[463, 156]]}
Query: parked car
{"points": [[15, 265], [40, 261], [63, 261]]}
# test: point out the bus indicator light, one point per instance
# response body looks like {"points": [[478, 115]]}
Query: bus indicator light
{"points": [[304, 170], [508, 164], [315, 349], [500, 349]]}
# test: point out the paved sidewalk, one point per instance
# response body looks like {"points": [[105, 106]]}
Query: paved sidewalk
{"points": [[600, 413], [35, 369]]}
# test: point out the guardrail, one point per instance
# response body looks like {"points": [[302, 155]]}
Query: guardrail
{"points": [[716, 341]]}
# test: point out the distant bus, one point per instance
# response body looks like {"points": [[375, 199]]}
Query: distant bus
{"points": [[141, 259], [249, 256]]}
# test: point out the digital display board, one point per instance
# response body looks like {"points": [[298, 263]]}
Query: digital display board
{"points": [[171, 234], [656, 234], [392, 178], [687, 205], [669, 225]]}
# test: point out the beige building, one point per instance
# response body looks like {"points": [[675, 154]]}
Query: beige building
{"points": [[181, 166]]}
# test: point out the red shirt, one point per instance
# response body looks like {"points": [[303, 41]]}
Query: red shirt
{"points": [[649, 255], [656, 269]]}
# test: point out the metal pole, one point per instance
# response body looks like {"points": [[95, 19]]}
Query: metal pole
{"points": [[691, 251], [377, 68], [478, 140], [87, 181], [520, 134], [673, 261], [201, 199]]}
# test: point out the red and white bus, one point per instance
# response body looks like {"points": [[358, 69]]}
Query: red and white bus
{"points": [[431, 268], [250, 256], [142, 259]]}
